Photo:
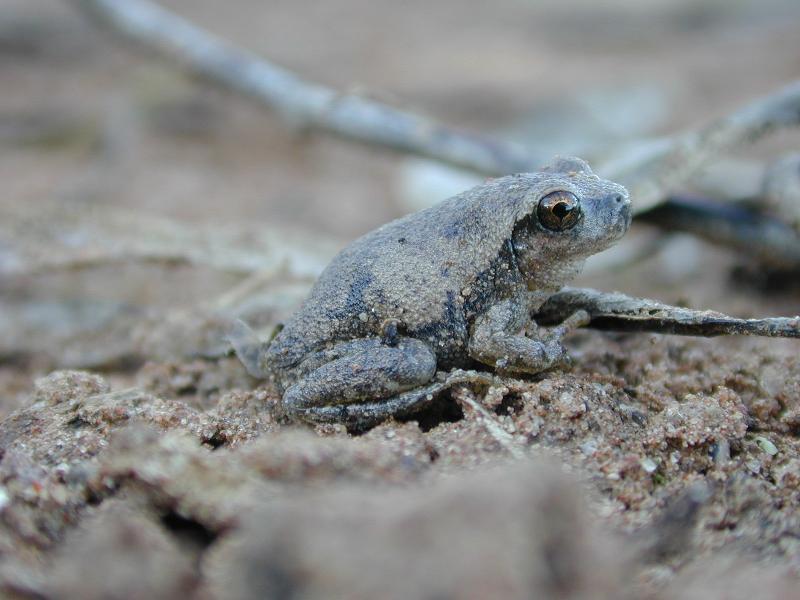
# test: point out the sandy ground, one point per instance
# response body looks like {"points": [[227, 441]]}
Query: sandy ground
{"points": [[136, 462]]}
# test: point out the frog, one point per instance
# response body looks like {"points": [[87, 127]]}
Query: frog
{"points": [[449, 288]]}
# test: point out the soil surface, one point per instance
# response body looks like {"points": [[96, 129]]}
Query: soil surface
{"points": [[139, 460]]}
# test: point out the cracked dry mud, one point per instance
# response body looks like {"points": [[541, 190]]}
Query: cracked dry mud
{"points": [[637, 484]]}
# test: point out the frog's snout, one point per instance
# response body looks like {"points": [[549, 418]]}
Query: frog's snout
{"points": [[621, 203], [626, 213]]}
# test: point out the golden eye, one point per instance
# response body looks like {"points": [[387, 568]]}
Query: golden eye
{"points": [[559, 211]]}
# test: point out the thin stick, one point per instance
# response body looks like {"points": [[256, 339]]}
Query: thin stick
{"points": [[651, 172], [684, 155], [501, 436], [301, 102], [761, 237]]}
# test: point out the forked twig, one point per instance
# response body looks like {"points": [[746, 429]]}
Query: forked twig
{"points": [[651, 180], [300, 102], [651, 171]]}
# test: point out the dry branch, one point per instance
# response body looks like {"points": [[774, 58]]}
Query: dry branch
{"points": [[303, 103], [464, 395], [651, 179], [769, 241], [624, 313], [652, 171]]}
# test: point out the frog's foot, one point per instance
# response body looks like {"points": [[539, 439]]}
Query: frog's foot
{"points": [[367, 383], [367, 414], [496, 341], [248, 348]]}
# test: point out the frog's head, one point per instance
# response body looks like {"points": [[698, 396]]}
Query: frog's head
{"points": [[572, 214]]}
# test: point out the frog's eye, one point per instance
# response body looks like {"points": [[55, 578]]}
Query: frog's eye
{"points": [[559, 211]]}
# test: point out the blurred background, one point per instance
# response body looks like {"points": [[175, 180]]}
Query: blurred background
{"points": [[136, 200]]}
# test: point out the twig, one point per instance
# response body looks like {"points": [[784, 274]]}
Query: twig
{"points": [[764, 238], [652, 171], [464, 395], [676, 161], [619, 312], [301, 102], [242, 290]]}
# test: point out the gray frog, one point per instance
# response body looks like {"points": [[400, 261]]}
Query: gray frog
{"points": [[442, 288]]}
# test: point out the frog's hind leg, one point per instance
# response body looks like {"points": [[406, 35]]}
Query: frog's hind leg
{"points": [[363, 386], [367, 414]]}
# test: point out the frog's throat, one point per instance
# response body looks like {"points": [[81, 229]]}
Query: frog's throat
{"points": [[552, 279]]}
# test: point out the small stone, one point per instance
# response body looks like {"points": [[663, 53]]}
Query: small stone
{"points": [[649, 465], [766, 445]]}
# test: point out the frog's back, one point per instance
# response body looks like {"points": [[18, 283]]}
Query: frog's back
{"points": [[416, 270]]}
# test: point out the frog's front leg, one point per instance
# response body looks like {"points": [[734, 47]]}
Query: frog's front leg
{"points": [[498, 339], [362, 371]]}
